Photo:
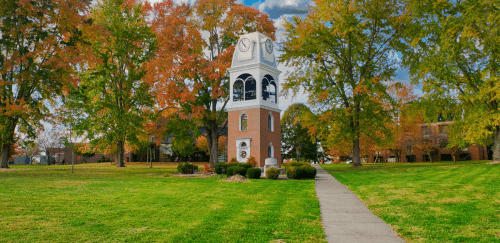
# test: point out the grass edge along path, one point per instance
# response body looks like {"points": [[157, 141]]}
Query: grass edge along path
{"points": [[102, 203], [430, 202]]}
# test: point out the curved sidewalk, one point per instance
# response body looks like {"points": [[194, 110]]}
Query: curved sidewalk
{"points": [[345, 218]]}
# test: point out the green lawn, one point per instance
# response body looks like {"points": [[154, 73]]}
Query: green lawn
{"points": [[424, 202], [102, 203]]}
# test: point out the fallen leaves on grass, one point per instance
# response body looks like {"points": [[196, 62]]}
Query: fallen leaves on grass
{"points": [[237, 178]]}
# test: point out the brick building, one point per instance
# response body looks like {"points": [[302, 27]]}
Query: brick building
{"points": [[437, 134]]}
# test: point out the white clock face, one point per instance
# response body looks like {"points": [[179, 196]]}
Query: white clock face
{"points": [[245, 44], [269, 46]]}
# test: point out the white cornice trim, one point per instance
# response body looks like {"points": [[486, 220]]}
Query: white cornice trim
{"points": [[254, 106], [252, 66]]}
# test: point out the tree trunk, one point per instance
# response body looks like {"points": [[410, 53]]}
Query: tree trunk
{"points": [[5, 155], [430, 157], [72, 160], [214, 151], [356, 160], [496, 144], [120, 152]]}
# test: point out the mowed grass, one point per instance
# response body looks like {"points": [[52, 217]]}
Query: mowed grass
{"points": [[430, 202], [102, 203]]}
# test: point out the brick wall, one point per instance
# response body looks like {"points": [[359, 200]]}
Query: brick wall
{"points": [[257, 131]]}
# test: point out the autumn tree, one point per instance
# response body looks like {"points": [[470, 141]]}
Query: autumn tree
{"points": [[407, 118], [455, 53], [296, 135], [343, 55], [426, 139], [195, 48], [112, 101], [37, 52]]}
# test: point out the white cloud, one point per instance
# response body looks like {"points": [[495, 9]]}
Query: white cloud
{"points": [[276, 8]]}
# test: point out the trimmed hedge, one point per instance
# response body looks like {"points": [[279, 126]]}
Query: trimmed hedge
{"points": [[186, 168], [220, 168], [301, 172], [240, 170], [272, 173], [254, 173]]}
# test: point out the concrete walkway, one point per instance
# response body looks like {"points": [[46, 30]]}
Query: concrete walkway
{"points": [[345, 217]]}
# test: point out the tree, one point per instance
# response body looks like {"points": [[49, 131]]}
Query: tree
{"points": [[407, 118], [455, 53], [37, 51], [112, 102], [427, 140], [29, 148], [50, 139], [343, 54], [296, 135], [456, 139], [195, 47]]}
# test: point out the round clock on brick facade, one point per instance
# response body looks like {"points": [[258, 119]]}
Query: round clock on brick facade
{"points": [[245, 44], [243, 154], [269, 46]]}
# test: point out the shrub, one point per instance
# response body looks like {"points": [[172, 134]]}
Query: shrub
{"points": [[246, 165], [301, 172], [272, 173], [233, 160], [63, 162], [254, 173], [290, 172], [251, 160], [186, 168], [230, 171], [240, 170], [220, 168]]}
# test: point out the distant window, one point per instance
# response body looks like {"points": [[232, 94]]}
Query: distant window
{"points": [[443, 129], [270, 126], [244, 122], [270, 151], [243, 144]]}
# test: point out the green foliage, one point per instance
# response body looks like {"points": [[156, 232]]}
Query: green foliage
{"points": [[220, 168], [272, 173], [240, 170], [290, 171], [454, 55], [246, 165], [112, 103], [187, 168], [343, 57], [296, 135], [300, 170], [254, 173], [233, 160]]}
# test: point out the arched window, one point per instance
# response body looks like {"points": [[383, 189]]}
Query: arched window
{"points": [[269, 89], [243, 144], [250, 89], [270, 122], [244, 122], [238, 90], [272, 92], [270, 151], [244, 88]]}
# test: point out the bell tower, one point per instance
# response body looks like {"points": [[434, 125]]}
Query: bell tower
{"points": [[253, 110]]}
